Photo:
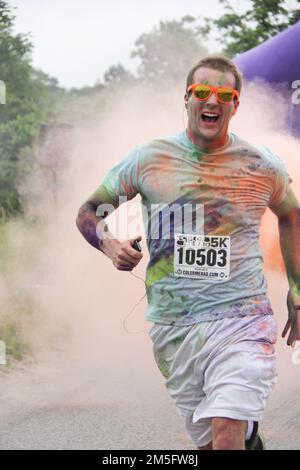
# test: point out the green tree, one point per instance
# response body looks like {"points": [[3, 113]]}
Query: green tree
{"points": [[169, 50], [117, 74], [241, 32], [29, 100]]}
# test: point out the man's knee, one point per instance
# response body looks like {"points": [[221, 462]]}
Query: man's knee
{"points": [[228, 433]]}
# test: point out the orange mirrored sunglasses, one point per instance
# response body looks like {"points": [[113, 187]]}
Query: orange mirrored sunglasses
{"points": [[202, 92]]}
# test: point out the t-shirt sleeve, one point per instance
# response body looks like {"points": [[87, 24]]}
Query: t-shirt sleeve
{"points": [[123, 178], [282, 180]]}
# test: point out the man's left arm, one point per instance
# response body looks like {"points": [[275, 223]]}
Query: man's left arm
{"points": [[288, 213]]}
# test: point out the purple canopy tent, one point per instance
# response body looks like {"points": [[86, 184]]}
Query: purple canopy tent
{"points": [[277, 61]]}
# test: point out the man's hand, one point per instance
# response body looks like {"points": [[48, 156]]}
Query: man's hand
{"points": [[293, 323], [122, 254]]}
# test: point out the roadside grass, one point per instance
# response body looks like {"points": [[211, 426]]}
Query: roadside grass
{"points": [[18, 253]]}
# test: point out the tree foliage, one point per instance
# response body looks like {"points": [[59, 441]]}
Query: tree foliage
{"points": [[169, 50], [117, 74], [241, 32], [29, 101]]}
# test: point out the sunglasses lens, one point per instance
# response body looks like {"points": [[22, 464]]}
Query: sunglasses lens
{"points": [[225, 95], [202, 92]]}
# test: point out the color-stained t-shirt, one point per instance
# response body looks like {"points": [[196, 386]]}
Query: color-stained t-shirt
{"points": [[202, 212]]}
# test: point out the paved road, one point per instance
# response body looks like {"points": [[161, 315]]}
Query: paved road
{"points": [[79, 405], [76, 400]]}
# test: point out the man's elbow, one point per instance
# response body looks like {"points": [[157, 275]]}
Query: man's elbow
{"points": [[81, 215], [77, 221], [290, 218]]}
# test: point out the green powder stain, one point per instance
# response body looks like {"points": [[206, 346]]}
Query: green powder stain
{"points": [[164, 267], [160, 356], [162, 365], [205, 187], [173, 385], [162, 290], [200, 342], [196, 154], [178, 341], [221, 79]]}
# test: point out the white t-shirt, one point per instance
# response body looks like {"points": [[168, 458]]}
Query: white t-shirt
{"points": [[205, 261]]}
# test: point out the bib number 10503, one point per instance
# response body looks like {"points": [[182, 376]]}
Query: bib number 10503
{"points": [[202, 256]]}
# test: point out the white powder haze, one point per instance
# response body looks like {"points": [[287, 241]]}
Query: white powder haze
{"points": [[81, 357]]}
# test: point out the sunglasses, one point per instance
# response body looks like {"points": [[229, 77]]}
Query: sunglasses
{"points": [[202, 92]]}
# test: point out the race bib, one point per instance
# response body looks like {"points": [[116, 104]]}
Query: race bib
{"points": [[202, 256]]}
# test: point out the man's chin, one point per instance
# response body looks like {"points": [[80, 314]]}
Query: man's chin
{"points": [[208, 134]]}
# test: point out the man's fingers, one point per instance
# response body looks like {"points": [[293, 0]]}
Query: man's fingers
{"points": [[292, 337], [126, 258], [293, 323], [128, 254], [132, 252], [286, 328], [124, 267], [298, 325]]}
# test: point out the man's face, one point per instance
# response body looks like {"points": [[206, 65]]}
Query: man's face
{"points": [[200, 126]]}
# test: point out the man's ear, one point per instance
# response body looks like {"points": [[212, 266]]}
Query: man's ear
{"points": [[236, 105], [186, 97]]}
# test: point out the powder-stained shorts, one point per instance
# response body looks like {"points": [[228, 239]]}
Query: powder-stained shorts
{"points": [[223, 368]]}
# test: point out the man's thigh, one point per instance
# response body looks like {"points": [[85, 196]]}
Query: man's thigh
{"points": [[211, 368], [175, 350]]}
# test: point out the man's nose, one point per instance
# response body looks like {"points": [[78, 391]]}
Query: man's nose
{"points": [[212, 99]]}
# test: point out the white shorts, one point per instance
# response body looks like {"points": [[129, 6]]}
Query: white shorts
{"points": [[223, 368]]}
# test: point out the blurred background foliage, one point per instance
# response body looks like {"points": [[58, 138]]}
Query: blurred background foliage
{"points": [[33, 98]]}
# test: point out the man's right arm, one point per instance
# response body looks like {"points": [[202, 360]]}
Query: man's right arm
{"points": [[94, 229], [92, 226]]}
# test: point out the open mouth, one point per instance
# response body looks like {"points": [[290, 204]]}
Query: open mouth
{"points": [[210, 117]]}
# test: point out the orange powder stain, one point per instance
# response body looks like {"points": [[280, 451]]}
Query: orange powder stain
{"points": [[269, 234]]}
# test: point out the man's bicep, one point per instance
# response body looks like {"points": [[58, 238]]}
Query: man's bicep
{"points": [[120, 184], [102, 195], [102, 201], [289, 203]]}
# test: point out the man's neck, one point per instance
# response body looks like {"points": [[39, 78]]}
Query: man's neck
{"points": [[207, 145]]}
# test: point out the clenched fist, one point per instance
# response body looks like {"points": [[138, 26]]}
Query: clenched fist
{"points": [[122, 254]]}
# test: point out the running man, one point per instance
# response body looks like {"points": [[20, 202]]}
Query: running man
{"points": [[204, 192]]}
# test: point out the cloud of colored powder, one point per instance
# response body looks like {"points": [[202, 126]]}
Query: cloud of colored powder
{"points": [[78, 299]]}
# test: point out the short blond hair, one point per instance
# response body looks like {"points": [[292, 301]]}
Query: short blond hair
{"points": [[217, 62]]}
